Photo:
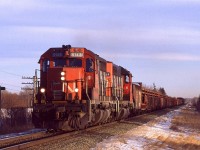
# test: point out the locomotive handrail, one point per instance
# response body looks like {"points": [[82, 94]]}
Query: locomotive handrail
{"points": [[78, 80], [89, 101], [117, 105]]}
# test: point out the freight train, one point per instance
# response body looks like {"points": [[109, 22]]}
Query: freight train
{"points": [[78, 88]]}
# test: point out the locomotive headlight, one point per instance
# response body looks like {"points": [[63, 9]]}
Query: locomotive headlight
{"points": [[42, 90], [62, 73], [62, 78], [76, 90]]}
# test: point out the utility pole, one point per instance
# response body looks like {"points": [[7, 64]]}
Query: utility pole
{"points": [[1, 88], [35, 82], [30, 89]]}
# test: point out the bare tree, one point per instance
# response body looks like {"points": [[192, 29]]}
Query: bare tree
{"points": [[154, 87], [7, 99], [198, 103], [11, 100], [162, 91], [27, 95]]}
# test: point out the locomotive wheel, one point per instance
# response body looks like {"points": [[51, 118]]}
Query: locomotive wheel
{"points": [[112, 116], [82, 123], [97, 116], [76, 122], [72, 122], [127, 113], [122, 113], [51, 130], [106, 114]]}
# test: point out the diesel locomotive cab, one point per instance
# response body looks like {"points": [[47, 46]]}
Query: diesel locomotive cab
{"points": [[64, 71]]}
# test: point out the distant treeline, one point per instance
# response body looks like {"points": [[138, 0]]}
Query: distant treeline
{"points": [[15, 112], [196, 103], [12, 100], [15, 120]]}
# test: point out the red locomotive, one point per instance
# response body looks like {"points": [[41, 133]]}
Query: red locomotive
{"points": [[78, 88]]}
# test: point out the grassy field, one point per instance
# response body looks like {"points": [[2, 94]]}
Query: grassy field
{"points": [[188, 119]]}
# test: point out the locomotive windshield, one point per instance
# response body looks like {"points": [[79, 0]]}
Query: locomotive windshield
{"points": [[59, 62], [72, 62]]}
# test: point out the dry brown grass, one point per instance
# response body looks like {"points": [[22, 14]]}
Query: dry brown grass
{"points": [[187, 118]]}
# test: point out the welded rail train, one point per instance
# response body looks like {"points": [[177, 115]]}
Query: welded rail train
{"points": [[78, 88]]}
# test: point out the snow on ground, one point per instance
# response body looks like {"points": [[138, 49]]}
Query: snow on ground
{"points": [[159, 133], [4, 113], [20, 133]]}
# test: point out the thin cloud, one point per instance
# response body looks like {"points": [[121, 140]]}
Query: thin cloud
{"points": [[175, 2], [178, 57], [10, 62], [21, 5], [162, 57], [182, 1], [173, 35]]}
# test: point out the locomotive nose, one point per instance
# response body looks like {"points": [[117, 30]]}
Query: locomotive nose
{"points": [[73, 83]]}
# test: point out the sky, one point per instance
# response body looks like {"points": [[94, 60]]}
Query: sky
{"points": [[157, 40]]}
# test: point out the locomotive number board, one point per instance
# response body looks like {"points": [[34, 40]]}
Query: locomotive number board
{"points": [[76, 54], [57, 54]]}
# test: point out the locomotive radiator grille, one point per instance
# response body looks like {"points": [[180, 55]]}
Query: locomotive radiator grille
{"points": [[58, 95]]}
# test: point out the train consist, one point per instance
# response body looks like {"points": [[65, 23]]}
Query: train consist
{"points": [[78, 88]]}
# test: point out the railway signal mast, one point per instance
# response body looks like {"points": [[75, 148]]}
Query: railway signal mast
{"points": [[1, 88]]}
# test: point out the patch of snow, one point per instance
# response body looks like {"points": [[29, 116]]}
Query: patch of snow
{"points": [[4, 113], [21, 133], [156, 134]]}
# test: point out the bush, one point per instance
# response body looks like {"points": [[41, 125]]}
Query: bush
{"points": [[15, 120], [198, 104]]}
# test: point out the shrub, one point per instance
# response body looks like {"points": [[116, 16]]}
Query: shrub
{"points": [[198, 104], [15, 120]]}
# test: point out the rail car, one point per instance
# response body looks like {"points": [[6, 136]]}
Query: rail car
{"points": [[78, 88]]}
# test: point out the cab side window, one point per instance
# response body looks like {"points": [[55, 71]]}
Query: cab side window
{"points": [[89, 65], [127, 79], [45, 65]]}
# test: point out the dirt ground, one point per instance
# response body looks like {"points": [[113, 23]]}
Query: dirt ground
{"points": [[178, 129]]}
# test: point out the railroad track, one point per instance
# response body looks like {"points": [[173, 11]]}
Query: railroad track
{"points": [[17, 140], [23, 142], [34, 140]]}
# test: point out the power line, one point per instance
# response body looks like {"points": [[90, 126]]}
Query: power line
{"points": [[11, 73], [9, 84]]}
